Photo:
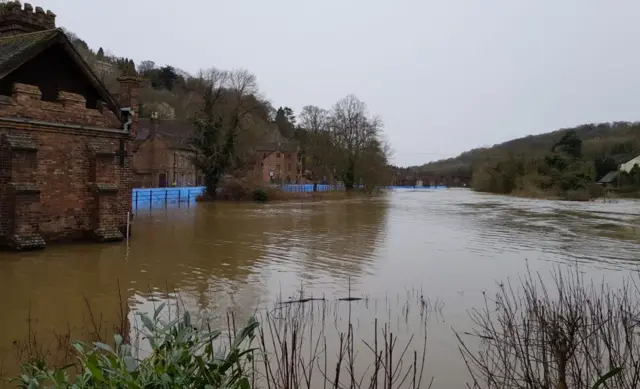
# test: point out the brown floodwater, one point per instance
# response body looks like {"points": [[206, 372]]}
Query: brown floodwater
{"points": [[447, 245]]}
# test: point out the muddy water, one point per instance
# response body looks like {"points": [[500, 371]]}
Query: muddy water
{"points": [[446, 245]]}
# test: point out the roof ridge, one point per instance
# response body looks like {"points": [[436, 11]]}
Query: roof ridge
{"points": [[26, 34]]}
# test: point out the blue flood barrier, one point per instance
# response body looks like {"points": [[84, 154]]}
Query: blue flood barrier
{"points": [[149, 198], [309, 188]]}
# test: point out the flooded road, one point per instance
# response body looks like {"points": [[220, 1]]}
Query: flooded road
{"points": [[449, 245]]}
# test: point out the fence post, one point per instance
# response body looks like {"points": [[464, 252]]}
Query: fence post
{"points": [[188, 197], [166, 198], [179, 193], [150, 199], [136, 200]]}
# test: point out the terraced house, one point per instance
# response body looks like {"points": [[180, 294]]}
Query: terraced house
{"points": [[163, 154], [65, 142]]}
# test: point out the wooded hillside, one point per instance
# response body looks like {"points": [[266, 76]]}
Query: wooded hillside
{"points": [[599, 140]]}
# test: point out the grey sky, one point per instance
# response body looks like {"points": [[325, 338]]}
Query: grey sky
{"points": [[445, 75]]}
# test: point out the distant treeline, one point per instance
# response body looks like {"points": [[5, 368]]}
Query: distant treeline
{"points": [[565, 163]]}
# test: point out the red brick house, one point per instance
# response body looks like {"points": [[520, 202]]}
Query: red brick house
{"points": [[163, 155], [65, 143], [278, 163]]}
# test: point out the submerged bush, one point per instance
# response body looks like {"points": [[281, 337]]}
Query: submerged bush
{"points": [[182, 356], [259, 195]]}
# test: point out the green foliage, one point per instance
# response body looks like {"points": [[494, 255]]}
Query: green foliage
{"points": [[598, 141], [182, 356], [260, 195], [562, 172], [285, 120], [215, 145]]}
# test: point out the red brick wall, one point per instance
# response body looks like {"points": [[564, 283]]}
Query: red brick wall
{"points": [[283, 164], [65, 168], [5, 161], [154, 157]]}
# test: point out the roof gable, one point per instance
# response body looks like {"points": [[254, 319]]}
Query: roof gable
{"points": [[16, 50], [177, 133]]}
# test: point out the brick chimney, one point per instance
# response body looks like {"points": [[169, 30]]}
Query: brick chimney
{"points": [[153, 131], [128, 98], [16, 19]]}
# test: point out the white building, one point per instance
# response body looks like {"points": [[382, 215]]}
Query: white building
{"points": [[629, 164]]}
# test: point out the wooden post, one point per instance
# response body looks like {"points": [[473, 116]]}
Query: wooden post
{"points": [[137, 200], [179, 192], [150, 199], [188, 197], [166, 198]]}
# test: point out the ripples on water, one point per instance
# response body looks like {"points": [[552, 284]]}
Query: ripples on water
{"points": [[449, 244]]}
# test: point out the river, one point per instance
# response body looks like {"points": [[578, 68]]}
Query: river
{"points": [[448, 245]]}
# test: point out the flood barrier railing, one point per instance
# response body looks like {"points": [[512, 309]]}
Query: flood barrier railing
{"points": [[299, 188], [152, 198]]}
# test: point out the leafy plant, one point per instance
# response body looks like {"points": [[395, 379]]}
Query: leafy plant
{"points": [[182, 356]]}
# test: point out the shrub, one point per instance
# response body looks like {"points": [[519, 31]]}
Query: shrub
{"points": [[260, 195], [182, 356], [569, 333], [234, 189]]}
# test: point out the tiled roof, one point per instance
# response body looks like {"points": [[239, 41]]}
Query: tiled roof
{"points": [[287, 147], [177, 132], [624, 158], [609, 177], [14, 48]]}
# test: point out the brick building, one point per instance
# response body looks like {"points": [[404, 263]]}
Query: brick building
{"points": [[163, 155], [65, 143], [278, 163]]}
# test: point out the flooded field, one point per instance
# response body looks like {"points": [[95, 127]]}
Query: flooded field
{"points": [[447, 246]]}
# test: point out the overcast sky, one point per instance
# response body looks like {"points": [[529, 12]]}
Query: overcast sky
{"points": [[445, 75]]}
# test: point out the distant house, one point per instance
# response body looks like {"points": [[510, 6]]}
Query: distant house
{"points": [[626, 163], [163, 155], [277, 162]]}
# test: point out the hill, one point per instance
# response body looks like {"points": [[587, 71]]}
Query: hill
{"points": [[598, 141]]}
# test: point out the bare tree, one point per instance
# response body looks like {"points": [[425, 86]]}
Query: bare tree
{"points": [[352, 132], [314, 119], [145, 66]]}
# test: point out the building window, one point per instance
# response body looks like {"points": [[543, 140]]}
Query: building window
{"points": [[278, 167], [289, 166], [277, 155]]}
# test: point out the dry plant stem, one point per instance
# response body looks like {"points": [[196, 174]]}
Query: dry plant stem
{"points": [[293, 341], [293, 338], [566, 336]]}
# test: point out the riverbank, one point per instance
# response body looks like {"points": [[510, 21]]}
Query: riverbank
{"points": [[243, 192], [581, 195]]}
